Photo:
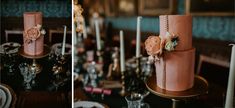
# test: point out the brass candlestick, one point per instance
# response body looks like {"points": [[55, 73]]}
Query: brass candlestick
{"points": [[99, 54], [123, 91], [35, 67], [138, 66], [59, 67]]}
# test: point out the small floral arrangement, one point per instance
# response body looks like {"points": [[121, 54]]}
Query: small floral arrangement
{"points": [[34, 33], [155, 45]]}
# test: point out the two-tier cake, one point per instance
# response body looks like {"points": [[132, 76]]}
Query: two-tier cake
{"points": [[173, 53], [33, 33]]}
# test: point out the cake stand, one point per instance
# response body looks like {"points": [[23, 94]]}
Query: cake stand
{"points": [[200, 87], [35, 66]]}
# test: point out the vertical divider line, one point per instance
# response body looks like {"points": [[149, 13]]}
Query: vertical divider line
{"points": [[72, 71]]}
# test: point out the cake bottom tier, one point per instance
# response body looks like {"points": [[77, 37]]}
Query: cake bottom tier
{"points": [[175, 71], [34, 47]]}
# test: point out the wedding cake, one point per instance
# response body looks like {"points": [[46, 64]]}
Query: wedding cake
{"points": [[33, 33], [172, 53]]}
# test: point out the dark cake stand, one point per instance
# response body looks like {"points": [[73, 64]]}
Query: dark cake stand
{"points": [[35, 66], [200, 87]]}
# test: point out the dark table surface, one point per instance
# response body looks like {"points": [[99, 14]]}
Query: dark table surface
{"points": [[43, 93], [116, 101]]}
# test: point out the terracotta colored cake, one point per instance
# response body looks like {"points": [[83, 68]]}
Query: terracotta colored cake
{"points": [[174, 68], [33, 34]]}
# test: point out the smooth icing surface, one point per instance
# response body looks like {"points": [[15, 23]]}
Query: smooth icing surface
{"points": [[31, 19], [180, 25], [178, 64], [179, 70]]}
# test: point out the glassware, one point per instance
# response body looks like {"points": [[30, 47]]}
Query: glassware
{"points": [[27, 75], [135, 100], [91, 70], [137, 83]]}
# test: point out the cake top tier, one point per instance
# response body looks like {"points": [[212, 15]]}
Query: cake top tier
{"points": [[31, 19], [179, 25]]}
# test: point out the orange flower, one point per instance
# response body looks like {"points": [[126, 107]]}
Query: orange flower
{"points": [[33, 33], [153, 45]]}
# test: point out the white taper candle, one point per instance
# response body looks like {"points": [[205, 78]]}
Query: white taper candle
{"points": [[138, 39], [122, 52], [230, 88], [97, 30], [74, 34], [84, 29], [64, 40]]}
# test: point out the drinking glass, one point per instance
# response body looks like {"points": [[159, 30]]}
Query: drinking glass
{"points": [[134, 100]]}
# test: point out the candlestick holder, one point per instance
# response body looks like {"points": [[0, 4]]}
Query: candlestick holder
{"points": [[59, 66], [99, 54], [123, 91], [138, 66], [99, 62]]}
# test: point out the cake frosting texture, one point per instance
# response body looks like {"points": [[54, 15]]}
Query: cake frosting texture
{"points": [[33, 45], [174, 68], [180, 25]]}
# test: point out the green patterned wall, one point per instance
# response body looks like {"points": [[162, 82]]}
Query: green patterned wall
{"points": [[222, 28], [50, 8]]}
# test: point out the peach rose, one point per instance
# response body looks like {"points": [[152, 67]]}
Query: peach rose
{"points": [[33, 33], [153, 45]]}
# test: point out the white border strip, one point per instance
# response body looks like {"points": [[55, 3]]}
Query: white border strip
{"points": [[72, 55]]}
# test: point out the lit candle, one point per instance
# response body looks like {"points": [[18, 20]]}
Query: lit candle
{"points": [[64, 40], [122, 52], [230, 88], [84, 29], [97, 35], [138, 37]]}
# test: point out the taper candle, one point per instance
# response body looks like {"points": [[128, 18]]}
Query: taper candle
{"points": [[138, 39], [97, 30], [122, 52], [74, 34], [84, 29], [64, 40], [230, 88]]}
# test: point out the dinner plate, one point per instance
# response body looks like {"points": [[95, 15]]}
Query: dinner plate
{"points": [[2, 98], [10, 47], [56, 48], [87, 104], [8, 96]]}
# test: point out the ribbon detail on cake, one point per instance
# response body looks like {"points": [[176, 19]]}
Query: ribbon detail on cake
{"points": [[33, 33], [156, 47]]}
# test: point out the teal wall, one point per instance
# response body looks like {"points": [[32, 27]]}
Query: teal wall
{"points": [[49, 8], [220, 27]]}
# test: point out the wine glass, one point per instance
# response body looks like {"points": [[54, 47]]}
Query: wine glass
{"points": [[27, 75], [135, 100], [91, 69]]}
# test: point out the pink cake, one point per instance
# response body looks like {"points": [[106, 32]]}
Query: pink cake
{"points": [[174, 68], [33, 34]]}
